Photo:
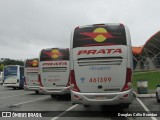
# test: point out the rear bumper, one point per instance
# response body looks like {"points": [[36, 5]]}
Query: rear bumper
{"points": [[11, 84], [31, 88], [55, 91], [105, 98]]}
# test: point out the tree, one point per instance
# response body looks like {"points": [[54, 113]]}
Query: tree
{"points": [[10, 62], [1, 67]]}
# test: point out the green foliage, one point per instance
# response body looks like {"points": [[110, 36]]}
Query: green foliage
{"points": [[153, 79], [1, 67], [10, 62]]}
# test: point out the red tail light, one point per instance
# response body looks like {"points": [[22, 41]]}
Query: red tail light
{"points": [[39, 80], [73, 81], [69, 82], [125, 96], [127, 84]]}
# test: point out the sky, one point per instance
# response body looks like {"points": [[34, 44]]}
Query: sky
{"points": [[27, 26]]}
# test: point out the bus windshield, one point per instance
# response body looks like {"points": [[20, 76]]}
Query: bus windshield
{"points": [[99, 36], [54, 54], [10, 70]]}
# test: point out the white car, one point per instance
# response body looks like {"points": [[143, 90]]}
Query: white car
{"points": [[1, 77], [158, 93]]}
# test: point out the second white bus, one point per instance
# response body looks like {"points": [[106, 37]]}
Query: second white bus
{"points": [[54, 71], [31, 75]]}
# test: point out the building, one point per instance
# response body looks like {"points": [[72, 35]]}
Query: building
{"points": [[147, 57]]}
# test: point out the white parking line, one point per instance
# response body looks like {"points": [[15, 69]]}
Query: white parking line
{"points": [[13, 96], [64, 112], [31, 101], [145, 108]]}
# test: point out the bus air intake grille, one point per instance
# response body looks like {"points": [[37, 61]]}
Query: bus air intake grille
{"points": [[99, 61], [54, 69]]}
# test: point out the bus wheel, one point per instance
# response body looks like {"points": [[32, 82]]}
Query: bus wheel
{"points": [[37, 92], [14, 88], [73, 103], [67, 96], [158, 100], [126, 105], [86, 106], [53, 96]]}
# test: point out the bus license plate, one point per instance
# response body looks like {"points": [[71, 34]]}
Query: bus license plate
{"points": [[100, 97]]}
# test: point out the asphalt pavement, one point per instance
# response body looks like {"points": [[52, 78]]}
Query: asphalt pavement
{"points": [[61, 108]]}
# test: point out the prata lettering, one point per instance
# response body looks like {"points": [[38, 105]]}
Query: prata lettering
{"points": [[101, 51], [54, 64]]}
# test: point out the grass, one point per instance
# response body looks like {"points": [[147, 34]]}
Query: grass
{"points": [[153, 78]]}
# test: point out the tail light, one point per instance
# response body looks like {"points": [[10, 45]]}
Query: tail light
{"points": [[74, 86], [128, 83], [68, 84], [39, 81], [125, 96], [76, 96]]}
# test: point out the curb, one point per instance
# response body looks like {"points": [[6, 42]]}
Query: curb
{"points": [[144, 95]]}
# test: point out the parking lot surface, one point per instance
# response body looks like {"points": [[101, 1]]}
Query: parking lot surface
{"points": [[61, 108]]}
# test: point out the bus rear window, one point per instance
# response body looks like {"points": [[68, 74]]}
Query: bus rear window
{"points": [[99, 36], [54, 54], [31, 63]]}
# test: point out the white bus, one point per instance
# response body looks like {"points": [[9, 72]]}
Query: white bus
{"points": [[13, 76], [101, 65], [31, 75], [54, 71]]}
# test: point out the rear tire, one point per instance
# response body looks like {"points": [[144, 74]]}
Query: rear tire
{"points": [[86, 106], [126, 105], [53, 96], [73, 103], [158, 100], [67, 96], [37, 92], [14, 88]]}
